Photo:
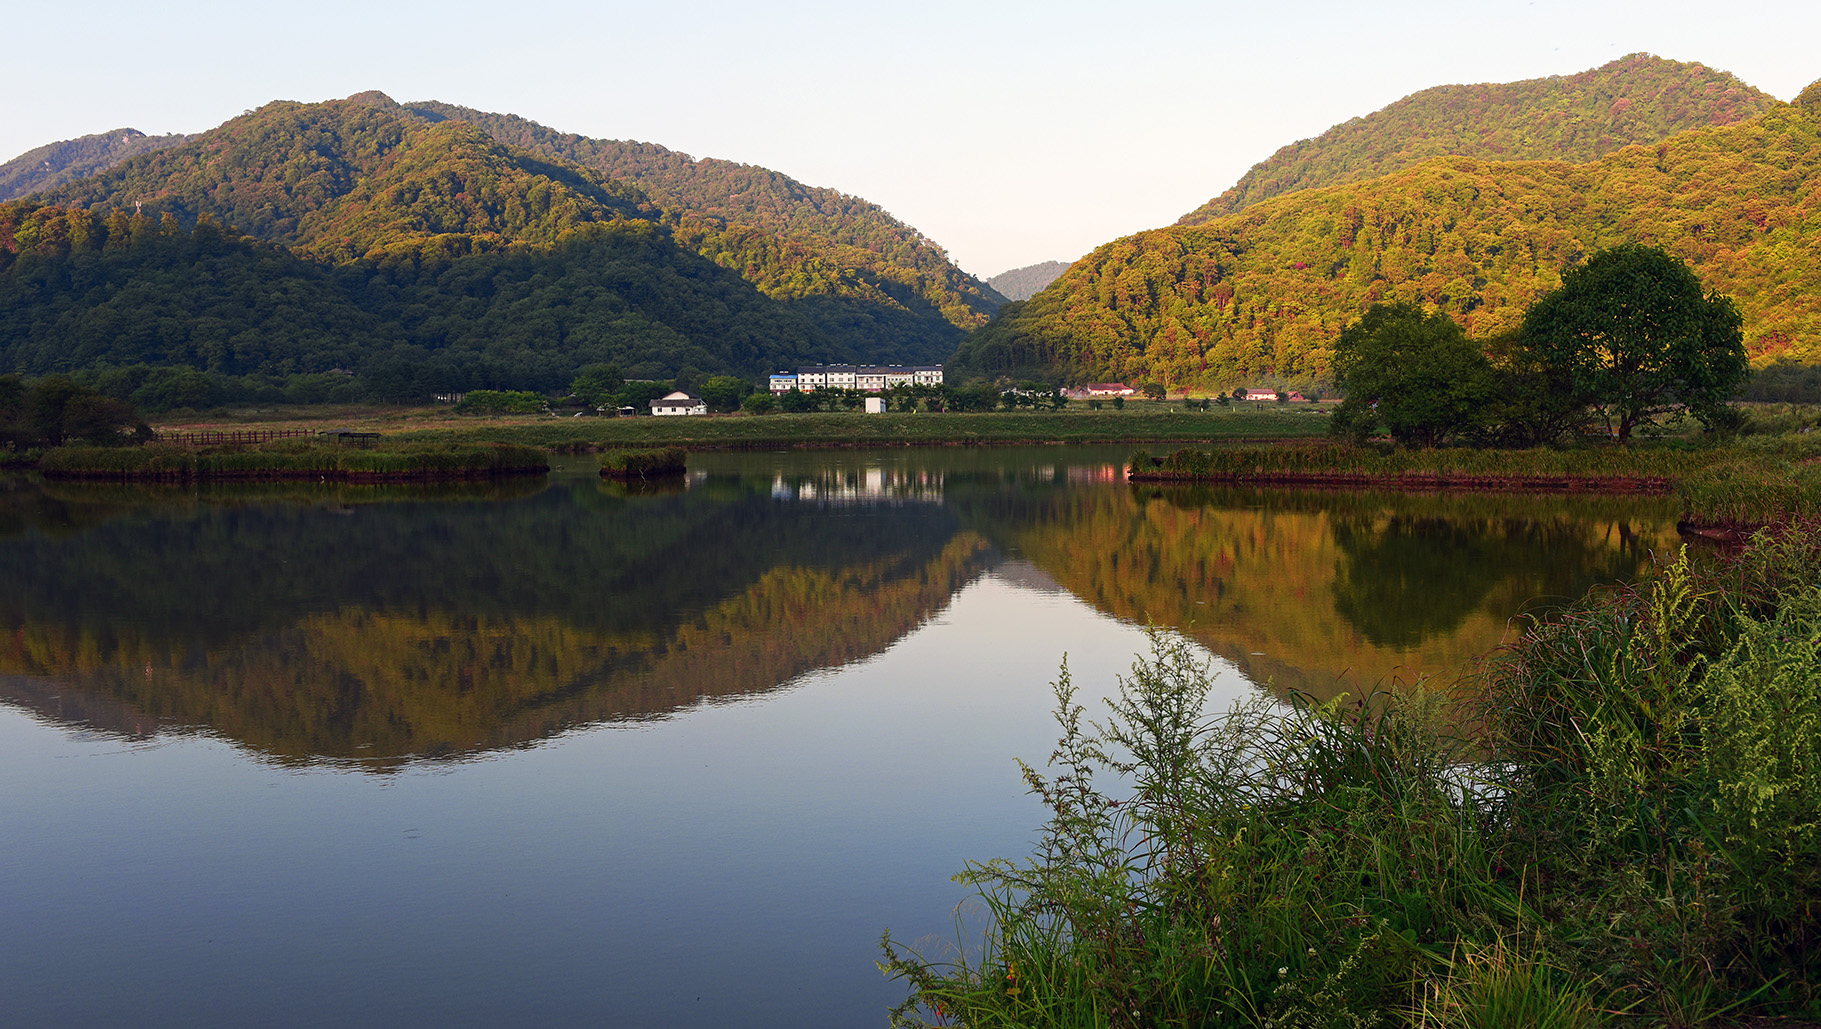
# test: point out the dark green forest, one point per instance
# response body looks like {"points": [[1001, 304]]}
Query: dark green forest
{"points": [[83, 291]]}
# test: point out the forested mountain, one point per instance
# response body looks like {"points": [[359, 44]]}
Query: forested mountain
{"points": [[1024, 283], [1640, 98], [844, 255], [355, 178], [1263, 293], [78, 290], [408, 237], [56, 163]]}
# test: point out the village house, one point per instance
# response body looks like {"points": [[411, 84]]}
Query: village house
{"points": [[1110, 389], [679, 403], [1261, 394]]}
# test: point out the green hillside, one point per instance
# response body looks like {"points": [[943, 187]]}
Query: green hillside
{"points": [[79, 290], [53, 164], [1577, 118], [365, 178], [354, 178], [1263, 293], [862, 273]]}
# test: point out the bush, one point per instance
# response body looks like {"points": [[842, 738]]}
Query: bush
{"points": [[643, 464]]}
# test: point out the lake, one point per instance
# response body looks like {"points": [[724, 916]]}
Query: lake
{"points": [[564, 751]]}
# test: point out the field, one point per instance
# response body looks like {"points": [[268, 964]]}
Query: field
{"points": [[1139, 422]]}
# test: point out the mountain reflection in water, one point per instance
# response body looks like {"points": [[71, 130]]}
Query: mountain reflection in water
{"points": [[360, 623]]}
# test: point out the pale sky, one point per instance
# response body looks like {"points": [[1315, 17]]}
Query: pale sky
{"points": [[1010, 133]]}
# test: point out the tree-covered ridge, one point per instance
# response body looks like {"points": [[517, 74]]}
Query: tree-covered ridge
{"points": [[53, 164], [789, 239], [80, 289], [1577, 118], [347, 178], [367, 178], [1263, 293]]}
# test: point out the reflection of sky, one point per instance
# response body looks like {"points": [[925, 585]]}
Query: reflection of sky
{"points": [[731, 865]]}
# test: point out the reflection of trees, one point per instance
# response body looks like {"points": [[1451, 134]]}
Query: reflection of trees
{"points": [[1302, 588], [1406, 580], [339, 628], [400, 630]]}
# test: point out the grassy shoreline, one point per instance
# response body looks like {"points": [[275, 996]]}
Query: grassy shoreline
{"points": [[1140, 422], [295, 460], [1737, 486]]}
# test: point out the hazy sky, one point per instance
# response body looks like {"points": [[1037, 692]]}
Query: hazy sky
{"points": [[1010, 133]]}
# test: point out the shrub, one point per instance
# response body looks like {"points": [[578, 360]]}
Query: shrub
{"points": [[493, 401], [643, 464]]}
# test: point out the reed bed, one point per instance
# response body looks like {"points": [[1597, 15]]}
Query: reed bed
{"points": [[1351, 465], [1628, 837], [296, 459], [1742, 484], [643, 464]]}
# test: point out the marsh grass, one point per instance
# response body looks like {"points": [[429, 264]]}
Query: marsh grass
{"points": [[1745, 483], [295, 459], [892, 429], [1633, 835], [644, 464]]}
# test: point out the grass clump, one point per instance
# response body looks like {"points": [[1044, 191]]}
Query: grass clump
{"points": [[644, 463], [1267, 867], [1630, 835]]}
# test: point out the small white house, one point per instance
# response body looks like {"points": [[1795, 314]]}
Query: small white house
{"points": [[679, 403], [875, 405]]}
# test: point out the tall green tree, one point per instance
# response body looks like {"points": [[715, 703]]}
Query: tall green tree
{"points": [[1417, 375], [1635, 334], [724, 392]]}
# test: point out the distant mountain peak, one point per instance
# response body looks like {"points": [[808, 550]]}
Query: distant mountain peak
{"points": [[53, 164], [1025, 283]]}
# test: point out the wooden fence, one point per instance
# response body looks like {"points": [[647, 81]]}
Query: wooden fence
{"points": [[237, 437]]}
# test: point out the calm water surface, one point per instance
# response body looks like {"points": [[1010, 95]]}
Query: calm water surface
{"points": [[564, 753]]}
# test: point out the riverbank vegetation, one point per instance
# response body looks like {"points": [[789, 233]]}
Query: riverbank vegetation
{"points": [[386, 461], [1741, 484], [1627, 837], [643, 464]]}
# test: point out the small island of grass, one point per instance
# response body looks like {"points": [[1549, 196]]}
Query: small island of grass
{"points": [[642, 464]]}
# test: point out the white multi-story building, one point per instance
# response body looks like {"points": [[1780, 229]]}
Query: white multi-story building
{"points": [[874, 378]]}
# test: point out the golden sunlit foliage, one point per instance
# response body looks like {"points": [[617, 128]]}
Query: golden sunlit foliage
{"points": [[1265, 292], [1639, 98]]}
